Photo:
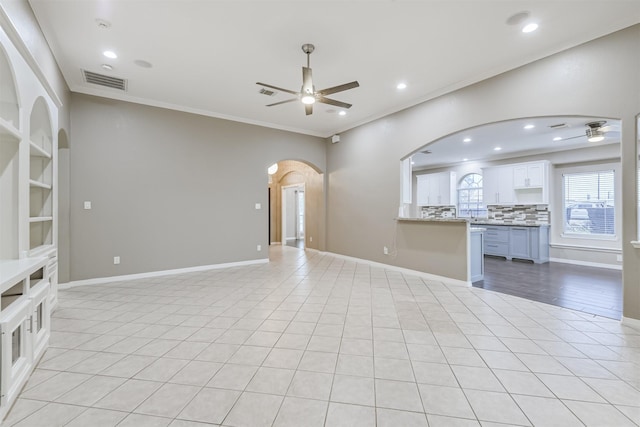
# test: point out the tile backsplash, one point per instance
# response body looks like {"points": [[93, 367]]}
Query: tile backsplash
{"points": [[528, 214], [438, 212]]}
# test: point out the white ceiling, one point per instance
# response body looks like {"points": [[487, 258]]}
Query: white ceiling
{"points": [[514, 140], [208, 55]]}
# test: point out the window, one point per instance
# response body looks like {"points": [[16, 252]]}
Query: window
{"points": [[470, 197], [588, 206]]}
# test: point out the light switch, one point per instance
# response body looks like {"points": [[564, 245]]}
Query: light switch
{"points": [[87, 205], [258, 206]]}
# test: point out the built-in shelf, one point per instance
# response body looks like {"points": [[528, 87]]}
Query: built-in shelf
{"points": [[42, 250], [40, 218], [38, 151], [11, 271], [34, 183], [8, 132]]}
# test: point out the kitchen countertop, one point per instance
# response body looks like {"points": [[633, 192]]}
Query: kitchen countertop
{"points": [[474, 222], [460, 220], [513, 223]]}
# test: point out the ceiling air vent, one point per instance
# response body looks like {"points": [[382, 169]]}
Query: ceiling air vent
{"points": [[106, 81], [267, 92], [558, 126]]}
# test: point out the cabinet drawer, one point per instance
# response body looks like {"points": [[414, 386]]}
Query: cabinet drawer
{"points": [[496, 234], [493, 248]]}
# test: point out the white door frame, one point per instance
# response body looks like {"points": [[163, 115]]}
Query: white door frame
{"points": [[283, 208]]}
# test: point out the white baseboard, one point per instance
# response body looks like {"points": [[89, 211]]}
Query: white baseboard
{"points": [[102, 280], [633, 323], [275, 243], [586, 263], [422, 274]]}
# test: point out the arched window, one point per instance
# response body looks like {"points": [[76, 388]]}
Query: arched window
{"points": [[470, 197]]}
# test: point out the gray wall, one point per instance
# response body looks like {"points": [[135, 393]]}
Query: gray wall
{"points": [[170, 189], [599, 78]]}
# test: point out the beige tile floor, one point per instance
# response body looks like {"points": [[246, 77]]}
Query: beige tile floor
{"points": [[314, 340]]}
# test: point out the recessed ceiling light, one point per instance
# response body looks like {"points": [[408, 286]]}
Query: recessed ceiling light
{"points": [[529, 126], [518, 18], [497, 148], [466, 140], [142, 63], [557, 138], [107, 67], [401, 86], [110, 54], [529, 28], [465, 159], [342, 113], [413, 163], [103, 24]]}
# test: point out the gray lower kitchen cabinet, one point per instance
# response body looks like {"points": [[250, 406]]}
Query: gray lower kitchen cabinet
{"points": [[520, 242], [496, 240]]}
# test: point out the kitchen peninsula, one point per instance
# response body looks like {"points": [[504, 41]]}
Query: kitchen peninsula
{"points": [[447, 247]]}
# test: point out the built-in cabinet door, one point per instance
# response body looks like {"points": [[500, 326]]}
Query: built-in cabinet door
{"points": [[422, 190], [535, 174], [520, 176], [435, 189], [528, 175], [498, 186], [519, 242], [17, 358], [490, 186], [506, 194]]}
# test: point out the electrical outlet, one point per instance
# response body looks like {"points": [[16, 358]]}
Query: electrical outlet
{"points": [[258, 206], [310, 239], [116, 260], [385, 250], [87, 205], [259, 248]]}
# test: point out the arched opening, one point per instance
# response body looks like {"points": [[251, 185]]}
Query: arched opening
{"points": [[9, 104], [41, 179], [9, 161], [561, 174], [296, 205]]}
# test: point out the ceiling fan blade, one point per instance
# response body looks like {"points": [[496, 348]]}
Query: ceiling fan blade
{"points": [[282, 102], [574, 137], [307, 80], [610, 128], [278, 88], [333, 102], [340, 88], [308, 109]]}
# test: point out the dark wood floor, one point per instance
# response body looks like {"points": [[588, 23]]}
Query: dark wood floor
{"points": [[588, 289]]}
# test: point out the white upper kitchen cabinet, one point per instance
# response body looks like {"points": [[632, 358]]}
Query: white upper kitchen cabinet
{"points": [[498, 186], [529, 175], [436, 189]]}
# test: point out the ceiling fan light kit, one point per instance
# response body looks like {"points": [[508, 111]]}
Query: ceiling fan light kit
{"points": [[308, 95], [595, 131]]}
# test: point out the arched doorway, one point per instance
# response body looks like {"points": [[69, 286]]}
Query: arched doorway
{"points": [[296, 205]]}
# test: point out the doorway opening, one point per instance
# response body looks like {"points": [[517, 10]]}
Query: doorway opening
{"points": [[293, 216], [296, 205]]}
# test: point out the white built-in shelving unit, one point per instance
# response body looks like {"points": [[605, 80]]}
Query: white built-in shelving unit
{"points": [[28, 254]]}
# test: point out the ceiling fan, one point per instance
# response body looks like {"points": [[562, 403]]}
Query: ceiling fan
{"points": [[308, 93], [595, 131]]}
